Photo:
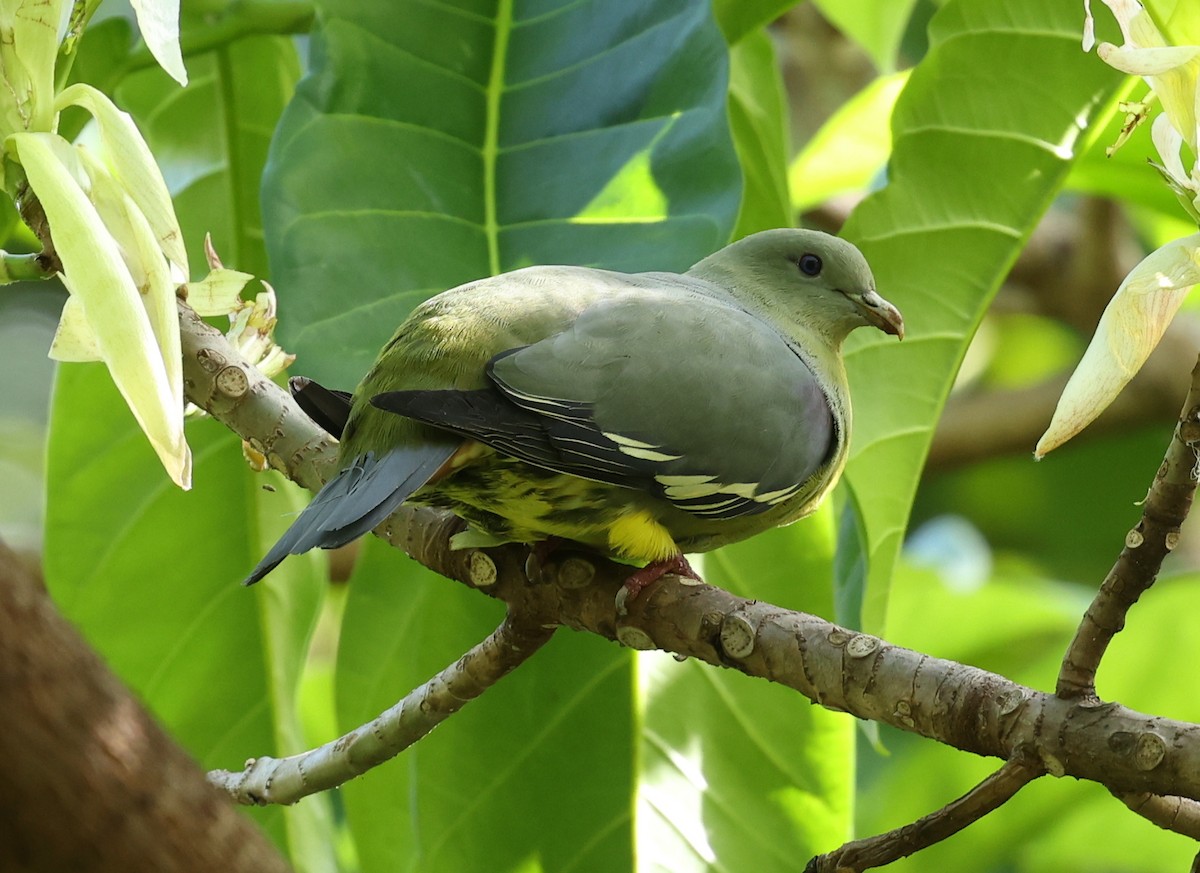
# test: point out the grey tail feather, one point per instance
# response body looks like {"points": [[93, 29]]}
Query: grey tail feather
{"points": [[356, 500]]}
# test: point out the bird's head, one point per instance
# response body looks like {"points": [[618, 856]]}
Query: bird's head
{"points": [[803, 279]]}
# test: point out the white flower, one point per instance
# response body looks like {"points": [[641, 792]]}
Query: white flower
{"points": [[1130, 328], [1139, 313]]}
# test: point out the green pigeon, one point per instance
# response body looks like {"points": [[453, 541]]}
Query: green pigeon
{"points": [[640, 415]]}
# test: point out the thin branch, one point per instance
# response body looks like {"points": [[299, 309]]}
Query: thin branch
{"points": [[877, 851], [1155, 535], [286, 780], [220, 381], [23, 267], [1178, 814]]}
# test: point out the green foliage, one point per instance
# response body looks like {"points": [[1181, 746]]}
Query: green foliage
{"points": [[876, 25], [431, 146], [461, 799], [977, 157]]}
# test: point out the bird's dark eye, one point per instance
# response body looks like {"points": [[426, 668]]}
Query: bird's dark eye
{"points": [[810, 265]]}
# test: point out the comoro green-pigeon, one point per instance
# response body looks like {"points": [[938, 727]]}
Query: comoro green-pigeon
{"points": [[643, 416]]}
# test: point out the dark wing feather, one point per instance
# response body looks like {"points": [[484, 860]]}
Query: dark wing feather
{"points": [[565, 441], [356, 500], [327, 407]]}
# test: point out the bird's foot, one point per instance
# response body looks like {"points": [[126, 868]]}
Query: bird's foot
{"points": [[639, 580], [539, 557]]}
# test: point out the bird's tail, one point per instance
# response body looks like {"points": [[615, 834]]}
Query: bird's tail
{"points": [[356, 500]]}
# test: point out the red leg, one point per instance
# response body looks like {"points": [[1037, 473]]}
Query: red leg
{"points": [[651, 573]]}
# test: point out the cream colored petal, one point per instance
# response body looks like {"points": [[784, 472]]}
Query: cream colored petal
{"points": [[1129, 330], [1137, 28], [1167, 141], [1147, 61], [129, 159], [97, 274], [1089, 26], [218, 293], [74, 340], [146, 263], [28, 47], [158, 20]]}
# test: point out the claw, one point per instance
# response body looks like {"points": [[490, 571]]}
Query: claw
{"points": [[641, 579], [539, 557]]}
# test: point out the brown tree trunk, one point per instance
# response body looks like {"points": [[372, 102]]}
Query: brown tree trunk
{"points": [[88, 780]]}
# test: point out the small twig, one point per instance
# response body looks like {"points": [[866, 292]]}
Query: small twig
{"points": [[23, 268], [877, 851], [285, 780], [1178, 814], [1155, 535]]}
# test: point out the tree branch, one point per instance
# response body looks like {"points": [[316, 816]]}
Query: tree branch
{"points": [[285, 780], [988, 795], [1178, 814], [1152, 538]]}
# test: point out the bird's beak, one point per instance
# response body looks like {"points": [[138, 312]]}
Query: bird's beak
{"points": [[880, 313]]}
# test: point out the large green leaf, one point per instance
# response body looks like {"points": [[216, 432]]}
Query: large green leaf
{"points": [[435, 145], [977, 158], [758, 118]]}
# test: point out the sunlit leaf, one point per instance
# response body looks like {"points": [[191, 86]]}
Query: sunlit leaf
{"points": [[758, 118], [876, 25], [850, 150], [976, 160]]}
